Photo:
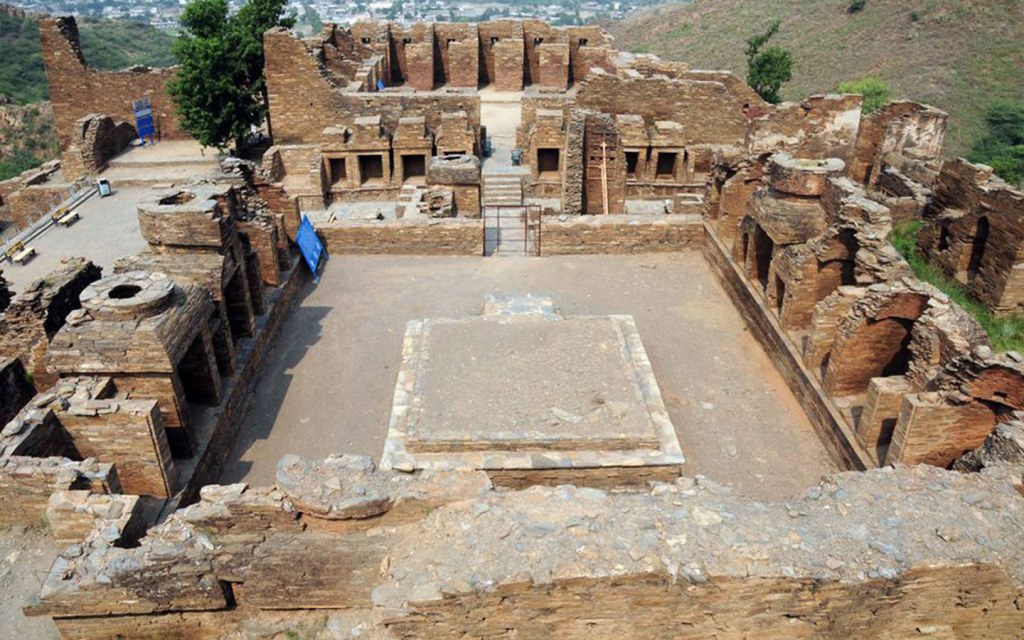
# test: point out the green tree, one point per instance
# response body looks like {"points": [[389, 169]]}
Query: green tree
{"points": [[220, 90], [768, 69], [876, 92], [1002, 148]]}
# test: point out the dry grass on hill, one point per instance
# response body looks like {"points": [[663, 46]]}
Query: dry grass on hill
{"points": [[957, 55]]}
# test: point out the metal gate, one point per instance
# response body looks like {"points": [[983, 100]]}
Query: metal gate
{"points": [[512, 230]]}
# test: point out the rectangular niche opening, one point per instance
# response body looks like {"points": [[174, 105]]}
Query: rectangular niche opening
{"points": [[666, 166], [338, 171], [547, 162], [371, 169], [632, 160], [414, 166]]}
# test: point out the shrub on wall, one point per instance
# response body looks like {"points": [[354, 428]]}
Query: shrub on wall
{"points": [[876, 92]]}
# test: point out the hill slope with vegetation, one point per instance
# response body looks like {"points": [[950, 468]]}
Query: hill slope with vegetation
{"points": [[959, 55], [26, 122]]}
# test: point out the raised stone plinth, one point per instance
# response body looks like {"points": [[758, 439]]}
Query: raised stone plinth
{"points": [[531, 397]]}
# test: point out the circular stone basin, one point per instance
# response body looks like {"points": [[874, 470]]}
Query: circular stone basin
{"points": [[135, 294], [803, 176]]}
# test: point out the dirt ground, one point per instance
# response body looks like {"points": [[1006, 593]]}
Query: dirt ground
{"points": [[25, 557], [329, 386]]}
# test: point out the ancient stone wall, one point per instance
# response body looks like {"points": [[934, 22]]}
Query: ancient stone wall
{"points": [[26, 484], [76, 90], [907, 136], [710, 112], [701, 558], [823, 126], [975, 234], [293, 68], [95, 140], [457, 55], [447, 237], [620, 234], [36, 315], [29, 203]]}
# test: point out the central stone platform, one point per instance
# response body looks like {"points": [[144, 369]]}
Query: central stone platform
{"points": [[531, 397]]}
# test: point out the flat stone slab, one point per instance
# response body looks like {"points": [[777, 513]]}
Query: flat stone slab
{"points": [[522, 387]]}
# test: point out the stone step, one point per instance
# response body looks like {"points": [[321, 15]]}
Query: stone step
{"points": [[514, 202], [505, 193]]}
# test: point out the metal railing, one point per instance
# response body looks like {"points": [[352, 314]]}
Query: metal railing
{"points": [[511, 229], [34, 224]]}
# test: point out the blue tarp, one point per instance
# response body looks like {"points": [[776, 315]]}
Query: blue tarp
{"points": [[310, 247]]}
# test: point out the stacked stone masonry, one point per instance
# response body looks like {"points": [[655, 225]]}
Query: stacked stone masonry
{"points": [[791, 205], [564, 562]]}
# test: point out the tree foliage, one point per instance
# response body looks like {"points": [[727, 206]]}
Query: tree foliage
{"points": [[768, 69], [220, 90], [1002, 148], [876, 92]]}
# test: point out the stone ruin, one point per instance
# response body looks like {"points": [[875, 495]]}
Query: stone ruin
{"points": [[574, 521]]}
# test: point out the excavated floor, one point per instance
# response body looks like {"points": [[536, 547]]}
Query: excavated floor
{"points": [[330, 385]]}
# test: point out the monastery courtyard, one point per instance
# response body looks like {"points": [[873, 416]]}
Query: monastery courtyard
{"points": [[330, 383]]}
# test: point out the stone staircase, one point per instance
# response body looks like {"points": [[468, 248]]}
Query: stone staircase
{"points": [[409, 199], [502, 189]]}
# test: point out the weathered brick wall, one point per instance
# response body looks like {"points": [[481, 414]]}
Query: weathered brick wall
{"points": [[449, 237], [76, 90], [293, 70], [75, 515], [589, 46], [26, 484], [905, 135], [491, 33], [819, 127], [29, 203], [621, 234], [554, 66], [96, 139], [983, 242], [700, 558], [128, 433], [710, 112], [39, 312], [457, 45], [508, 65], [537, 34], [463, 63], [262, 234], [420, 65]]}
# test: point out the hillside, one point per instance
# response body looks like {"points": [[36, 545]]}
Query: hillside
{"points": [[106, 44], [959, 55], [26, 122]]}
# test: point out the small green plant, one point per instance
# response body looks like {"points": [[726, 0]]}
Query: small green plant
{"points": [[856, 6], [876, 92], [915, 16], [1006, 332], [769, 69]]}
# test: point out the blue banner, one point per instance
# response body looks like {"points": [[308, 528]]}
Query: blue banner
{"points": [[310, 247], [144, 125]]}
